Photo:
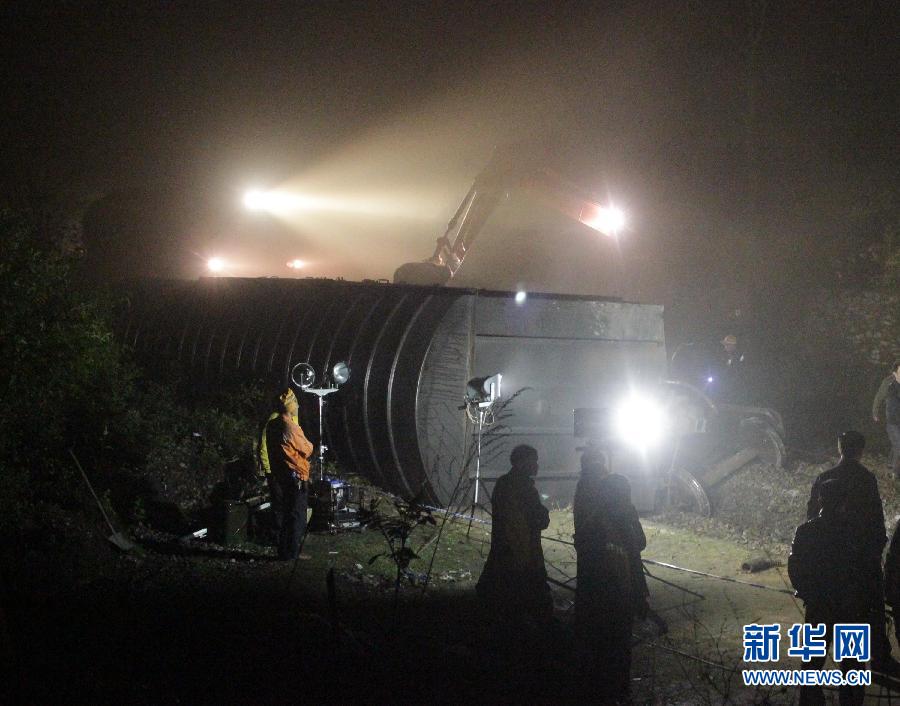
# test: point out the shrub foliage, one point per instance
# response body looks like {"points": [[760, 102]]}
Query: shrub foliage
{"points": [[70, 385]]}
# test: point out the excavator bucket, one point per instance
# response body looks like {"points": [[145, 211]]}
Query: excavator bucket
{"points": [[426, 274]]}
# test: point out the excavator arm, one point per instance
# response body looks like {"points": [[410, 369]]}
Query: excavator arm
{"points": [[502, 175]]}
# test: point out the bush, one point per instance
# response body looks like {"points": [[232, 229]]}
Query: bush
{"points": [[179, 445], [65, 378], [70, 385]]}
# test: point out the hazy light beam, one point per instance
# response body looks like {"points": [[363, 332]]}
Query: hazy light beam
{"points": [[285, 203]]}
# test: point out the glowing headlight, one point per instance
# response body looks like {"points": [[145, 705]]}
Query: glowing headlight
{"points": [[215, 264], [639, 421], [609, 220]]}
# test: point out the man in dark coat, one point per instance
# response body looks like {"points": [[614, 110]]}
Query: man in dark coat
{"points": [[514, 579], [831, 573], [611, 590], [732, 385], [888, 396], [865, 524], [865, 513], [594, 469], [892, 578]]}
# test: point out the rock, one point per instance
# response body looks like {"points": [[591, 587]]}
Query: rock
{"points": [[759, 563]]}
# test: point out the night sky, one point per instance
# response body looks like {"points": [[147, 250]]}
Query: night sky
{"points": [[745, 140]]}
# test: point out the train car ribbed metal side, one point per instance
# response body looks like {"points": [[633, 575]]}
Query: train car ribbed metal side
{"points": [[397, 421]]}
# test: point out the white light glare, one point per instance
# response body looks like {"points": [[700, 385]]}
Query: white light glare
{"points": [[639, 421], [215, 264], [254, 200], [608, 220], [296, 264], [521, 296], [275, 201]]}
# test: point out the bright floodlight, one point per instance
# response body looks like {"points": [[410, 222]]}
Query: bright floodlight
{"points": [[280, 202], [484, 391], [639, 421], [609, 220], [296, 264], [255, 200], [340, 373], [215, 264], [521, 296], [303, 375]]}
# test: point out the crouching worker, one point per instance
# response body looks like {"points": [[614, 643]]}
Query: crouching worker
{"points": [[288, 451], [513, 583], [611, 589], [827, 569]]}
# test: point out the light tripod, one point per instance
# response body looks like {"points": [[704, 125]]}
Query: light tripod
{"points": [[482, 413], [321, 393], [304, 376], [481, 394]]}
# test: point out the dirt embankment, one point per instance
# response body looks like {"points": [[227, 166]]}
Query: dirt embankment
{"points": [[761, 505]]}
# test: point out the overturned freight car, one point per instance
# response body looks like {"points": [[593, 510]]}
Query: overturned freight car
{"points": [[411, 350]]}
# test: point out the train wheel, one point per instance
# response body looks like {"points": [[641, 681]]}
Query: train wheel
{"points": [[684, 493], [762, 435]]}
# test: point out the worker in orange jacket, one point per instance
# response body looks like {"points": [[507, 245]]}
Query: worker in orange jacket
{"points": [[264, 468], [288, 452]]}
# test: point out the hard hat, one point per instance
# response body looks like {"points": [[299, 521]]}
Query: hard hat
{"points": [[729, 340], [288, 397]]}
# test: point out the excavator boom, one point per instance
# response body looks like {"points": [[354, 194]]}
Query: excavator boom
{"points": [[502, 175]]}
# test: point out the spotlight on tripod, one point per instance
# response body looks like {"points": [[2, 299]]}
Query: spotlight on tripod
{"points": [[483, 391], [303, 375], [481, 394]]}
